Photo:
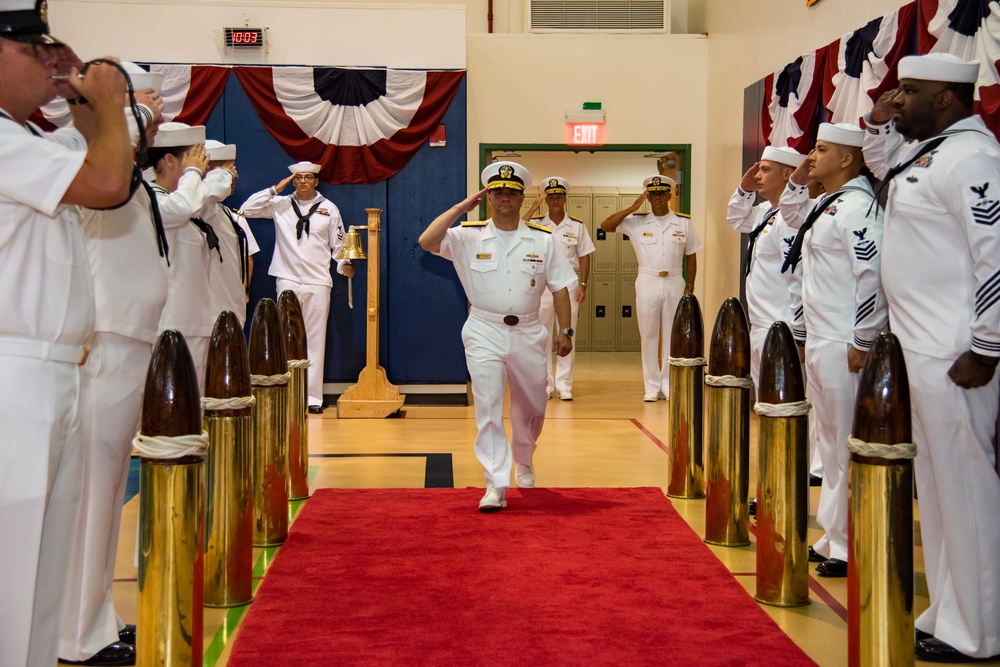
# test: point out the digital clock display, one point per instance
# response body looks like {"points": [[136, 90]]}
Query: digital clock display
{"points": [[244, 37]]}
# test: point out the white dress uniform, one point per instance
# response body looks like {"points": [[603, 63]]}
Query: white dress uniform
{"points": [[48, 319], [844, 306], [575, 241], [188, 309], [303, 265], [661, 244], [768, 298], [130, 290], [226, 290], [504, 274], [941, 271]]}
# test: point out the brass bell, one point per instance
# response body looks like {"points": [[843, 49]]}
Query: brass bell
{"points": [[351, 248]]}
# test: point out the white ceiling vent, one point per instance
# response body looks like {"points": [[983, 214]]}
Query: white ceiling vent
{"points": [[586, 15]]}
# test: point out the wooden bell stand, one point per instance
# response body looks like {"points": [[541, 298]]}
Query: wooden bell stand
{"points": [[373, 396]]}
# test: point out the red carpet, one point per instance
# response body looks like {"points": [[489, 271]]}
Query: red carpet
{"points": [[560, 577]]}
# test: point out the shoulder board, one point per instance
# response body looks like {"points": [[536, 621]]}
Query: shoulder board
{"points": [[575, 218], [538, 217], [641, 213], [539, 228], [235, 211], [682, 215], [474, 223]]}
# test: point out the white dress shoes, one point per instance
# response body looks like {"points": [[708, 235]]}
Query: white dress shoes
{"points": [[524, 476], [566, 395], [494, 499], [651, 397]]}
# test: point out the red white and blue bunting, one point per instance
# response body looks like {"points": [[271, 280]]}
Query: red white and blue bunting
{"points": [[791, 99]]}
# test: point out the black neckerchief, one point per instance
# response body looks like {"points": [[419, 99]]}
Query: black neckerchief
{"points": [[210, 236], [795, 254], [903, 166], [244, 244], [30, 127], [754, 234], [161, 234], [303, 223]]}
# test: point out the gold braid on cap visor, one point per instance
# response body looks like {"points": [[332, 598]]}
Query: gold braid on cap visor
{"points": [[513, 185]]}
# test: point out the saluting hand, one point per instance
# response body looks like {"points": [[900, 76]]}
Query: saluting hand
{"points": [[884, 109], [283, 183], [637, 204], [196, 157], [801, 174], [749, 182], [472, 201]]}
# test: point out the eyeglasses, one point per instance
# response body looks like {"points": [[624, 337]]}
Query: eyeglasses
{"points": [[304, 177]]}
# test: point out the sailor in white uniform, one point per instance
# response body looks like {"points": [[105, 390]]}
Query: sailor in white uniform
{"points": [[665, 244], [48, 307], [230, 278], [127, 255], [308, 232], [574, 239], [504, 265], [838, 240], [941, 271]]}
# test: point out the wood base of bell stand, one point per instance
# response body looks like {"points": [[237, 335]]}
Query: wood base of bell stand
{"points": [[373, 397]]}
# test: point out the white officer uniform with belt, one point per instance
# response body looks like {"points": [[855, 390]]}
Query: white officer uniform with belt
{"points": [[504, 275], [188, 309], [301, 261], [661, 245], [128, 269], [575, 241], [844, 306], [768, 297], [236, 242], [941, 271]]}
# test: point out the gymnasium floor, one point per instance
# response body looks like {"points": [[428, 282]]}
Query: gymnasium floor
{"points": [[606, 437]]}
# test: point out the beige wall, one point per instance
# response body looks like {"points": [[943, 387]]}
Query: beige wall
{"points": [[747, 41]]}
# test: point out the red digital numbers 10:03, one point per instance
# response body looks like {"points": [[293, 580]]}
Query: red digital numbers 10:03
{"points": [[246, 37]]}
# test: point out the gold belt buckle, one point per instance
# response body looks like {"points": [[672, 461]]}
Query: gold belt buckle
{"points": [[663, 274], [83, 357]]}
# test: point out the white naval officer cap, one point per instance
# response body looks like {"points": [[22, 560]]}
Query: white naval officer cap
{"points": [[506, 175], [304, 168], [141, 79], [555, 185], [172, 135], [939, 67], [659, 183], [844, 134], [783, 155], [220, 152]]}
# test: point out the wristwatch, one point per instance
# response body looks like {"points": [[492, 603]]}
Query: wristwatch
{"points": [[568, 332]]}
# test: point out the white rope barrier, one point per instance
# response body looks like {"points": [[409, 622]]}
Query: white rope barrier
{"points": [[270, 380], [728, 381], [793, 409], [300, 363], [170, 447], [901, 450], [686, 361], [234, 403]]}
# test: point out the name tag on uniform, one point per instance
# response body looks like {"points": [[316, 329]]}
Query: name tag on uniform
{"points": [[647, 233], [323, 211], [569, 235], [678, 234], [484, 255]]}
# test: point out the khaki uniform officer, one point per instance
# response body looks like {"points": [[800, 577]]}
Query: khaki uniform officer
{"points": [[504, 265], [941, 270], [665, 244], [47, 303], [308, 232], [574, 239]]}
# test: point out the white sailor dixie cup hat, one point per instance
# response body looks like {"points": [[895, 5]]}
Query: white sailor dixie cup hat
{"points": [[141, 79], [783, 155], [939, 67], [26, 21], [659, 183], [555, 185], [506, 175], [304, 168], [172, 135], [844, 134], [220, 152]]}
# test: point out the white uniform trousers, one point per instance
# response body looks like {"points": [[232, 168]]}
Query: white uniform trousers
{"points": [[656, 301], [198, 347], [315, 302], [494, 351], [958, 493], [563, 380], [832, 390], [41, 477], [111, 399]]}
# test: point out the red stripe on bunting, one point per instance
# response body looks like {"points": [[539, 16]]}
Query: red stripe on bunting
{"points": [[350, 164], [925, 40], [765, 112], [207, 84]]}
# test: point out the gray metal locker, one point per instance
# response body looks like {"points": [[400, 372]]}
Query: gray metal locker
{"points": [[606, 256], [628, 325], [603, 301], [579, 204]]}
